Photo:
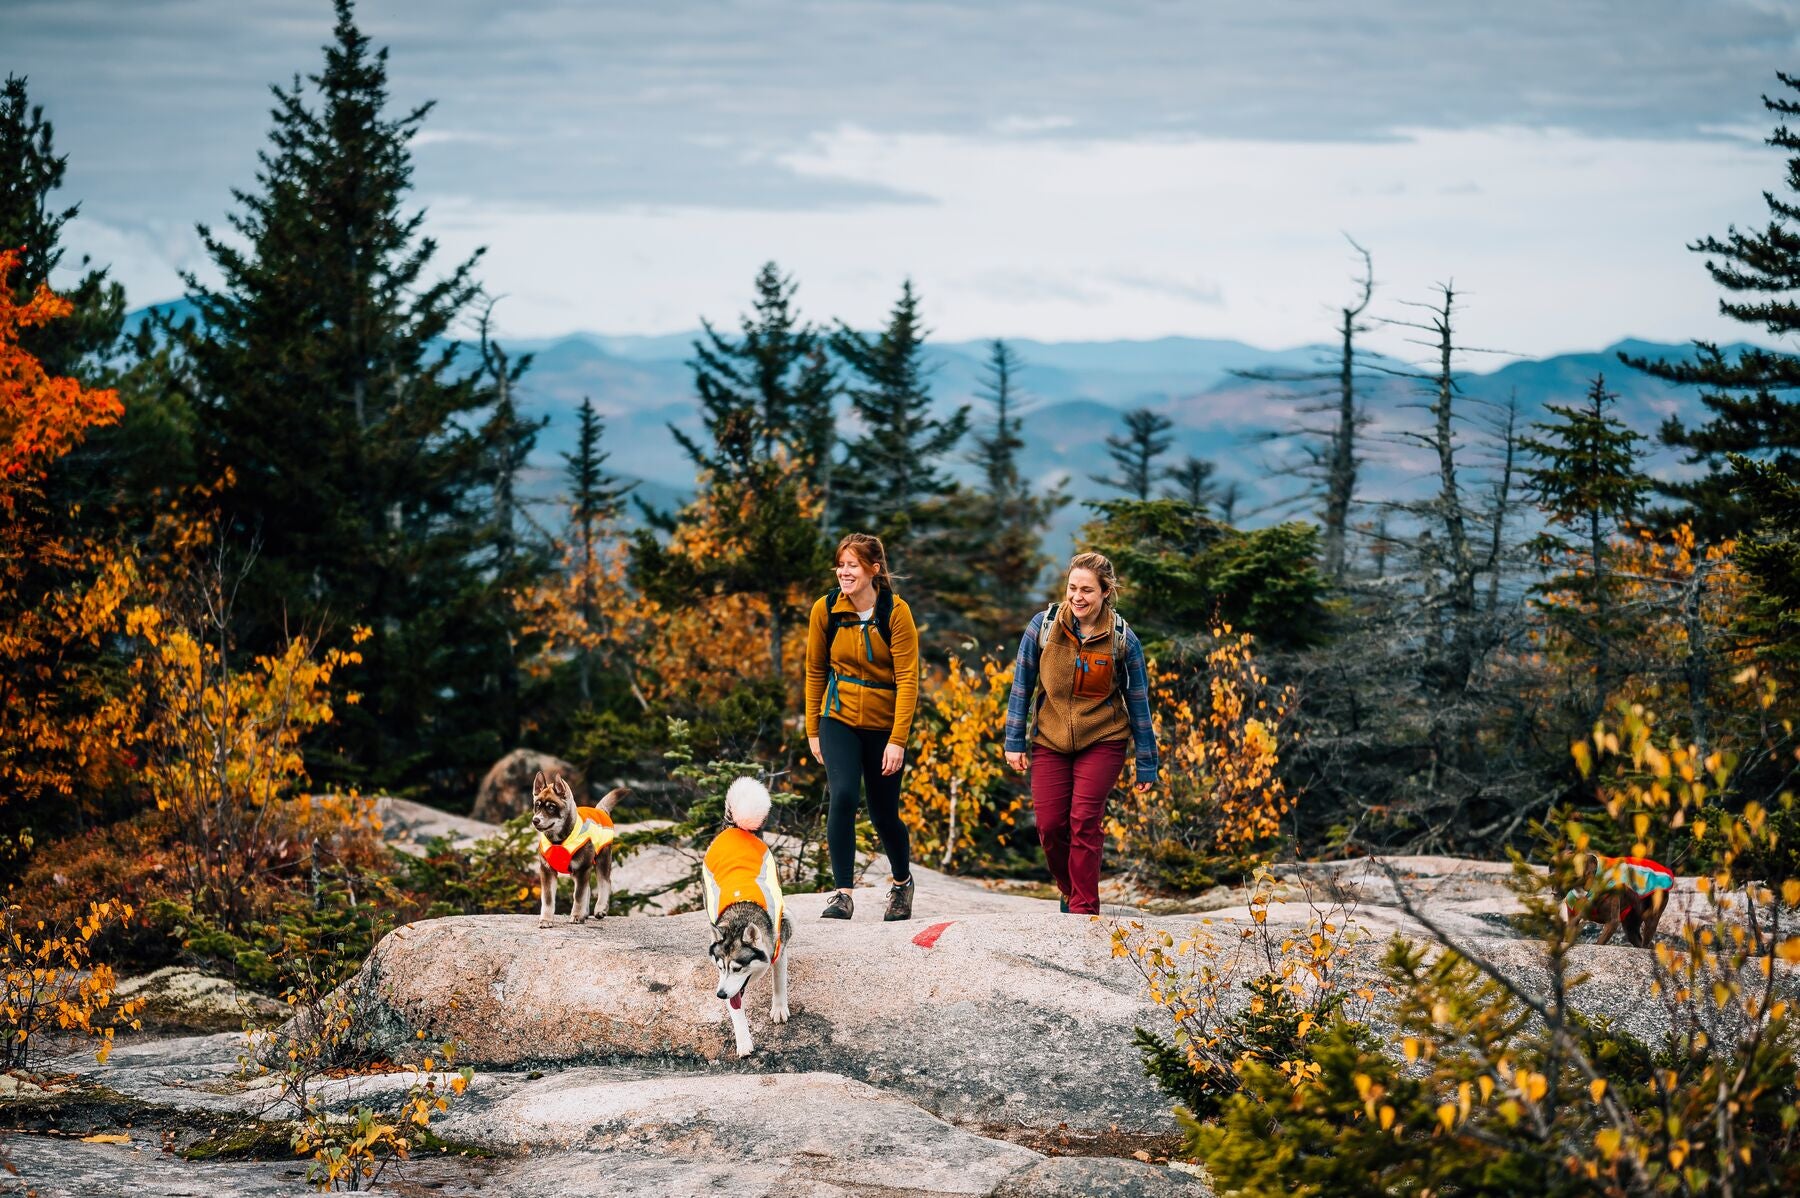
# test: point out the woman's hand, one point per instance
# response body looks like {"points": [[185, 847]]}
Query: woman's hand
{"points": [[1017, 761], [1144, 786], [892, 758], [812, 742]]}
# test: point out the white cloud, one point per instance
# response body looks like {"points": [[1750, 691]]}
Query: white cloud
{"points": [[1563, 241], [1019, 126]]}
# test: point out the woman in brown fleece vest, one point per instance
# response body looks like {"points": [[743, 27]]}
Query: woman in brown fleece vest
{"points": [[1082, 669], [862, 684]]}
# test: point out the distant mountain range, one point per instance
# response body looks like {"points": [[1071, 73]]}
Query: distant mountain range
{"points": [[1075, 393]]}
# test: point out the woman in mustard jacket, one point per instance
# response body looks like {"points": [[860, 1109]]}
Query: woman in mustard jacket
{"points": [[862, 685]]}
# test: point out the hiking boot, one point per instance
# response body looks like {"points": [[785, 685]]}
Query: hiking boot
{"points": [[899, 904], [839, 906], [1063, 906]]}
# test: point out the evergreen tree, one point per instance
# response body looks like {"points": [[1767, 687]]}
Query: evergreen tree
{"points": [[1183, 572], [1135, 454], [596, 499], [892, 470], [518, 557], [1193, 482], [1769, 554], [30, 170], [771, 388], [755, 528], [109, 478], [1750, 395], [322, 374], [997, 542], [1587, 484]]}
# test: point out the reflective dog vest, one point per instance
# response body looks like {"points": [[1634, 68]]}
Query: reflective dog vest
{"points": [[592, 826], [739, 868], [1638, 876]]}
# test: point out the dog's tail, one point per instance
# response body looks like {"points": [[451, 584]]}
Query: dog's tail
{"points": [[612, 798]]}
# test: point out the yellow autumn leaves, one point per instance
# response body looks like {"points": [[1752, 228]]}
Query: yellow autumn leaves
{"points": [[47, 980]]}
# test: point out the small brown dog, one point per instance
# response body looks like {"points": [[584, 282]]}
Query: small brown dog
{"points": [[1615, 892], [572, 840]]}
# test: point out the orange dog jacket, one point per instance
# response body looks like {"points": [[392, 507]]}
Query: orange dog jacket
{"points": [[739, 868], [592, 826]]}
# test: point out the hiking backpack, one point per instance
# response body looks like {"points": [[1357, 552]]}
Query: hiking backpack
{"points": [[883, 619]]}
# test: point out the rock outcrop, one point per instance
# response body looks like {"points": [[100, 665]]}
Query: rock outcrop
{"points": [[506, 790], [594, 1132], [934, 1057]]}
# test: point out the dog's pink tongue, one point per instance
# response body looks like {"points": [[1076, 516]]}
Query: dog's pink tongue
{"points": [[737, 1001]]}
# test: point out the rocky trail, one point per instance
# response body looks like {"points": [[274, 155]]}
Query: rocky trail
{"points": [[982, 1049]]}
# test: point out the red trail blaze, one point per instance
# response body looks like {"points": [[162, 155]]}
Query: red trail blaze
{"points": [[930, 935]]}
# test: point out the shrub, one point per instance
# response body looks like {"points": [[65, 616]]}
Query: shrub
{"points": [[49, 983], [324, 1039], [1256, 994], [1504, 1089], [1220, 797], [960, 800]]}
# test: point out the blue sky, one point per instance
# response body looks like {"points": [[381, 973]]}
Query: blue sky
{"points": [[1051, 169]]}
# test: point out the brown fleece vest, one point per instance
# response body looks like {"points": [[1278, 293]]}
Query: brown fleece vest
{"points": [[1084, 699]]}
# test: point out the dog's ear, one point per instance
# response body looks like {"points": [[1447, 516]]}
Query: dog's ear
{"points": [[539, 784], [1585, 865], [612, 798], [563, 788], [750, 935]]}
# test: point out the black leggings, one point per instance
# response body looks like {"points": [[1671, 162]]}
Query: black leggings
{"points": [[853, 761]]}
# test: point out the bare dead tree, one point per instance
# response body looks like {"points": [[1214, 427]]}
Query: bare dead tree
{"points": [[1329, 421]]}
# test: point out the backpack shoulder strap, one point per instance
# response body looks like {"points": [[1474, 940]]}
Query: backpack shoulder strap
{"points": [[884, 614], [1050, 614]]}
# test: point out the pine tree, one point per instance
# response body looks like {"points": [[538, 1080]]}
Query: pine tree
{"points": [[999, 529], [892, 470], [1750, 396], [1193, 482], [772, 387], [107, 481], [517, 556], [1135, 454], [1587, 484], [756, 527], [30, 170], [595, 502], [323, 377]]}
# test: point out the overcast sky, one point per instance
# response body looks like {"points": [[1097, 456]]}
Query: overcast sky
{"points": [[1060, 169]]}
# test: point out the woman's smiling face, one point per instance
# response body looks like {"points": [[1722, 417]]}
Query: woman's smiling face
{"points": [[1084, 595], [852, 575]]}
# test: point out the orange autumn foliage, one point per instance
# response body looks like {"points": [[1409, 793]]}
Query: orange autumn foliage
{"points": [[956, 787], [41, 418], [60, 725], [1220, 789]]}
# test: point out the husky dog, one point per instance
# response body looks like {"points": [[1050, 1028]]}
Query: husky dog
{"points": [[751, 931], [572, 840], [1617, 892]]}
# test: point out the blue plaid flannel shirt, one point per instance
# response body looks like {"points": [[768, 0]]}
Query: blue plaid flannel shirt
{"points": [[1137, 699]]}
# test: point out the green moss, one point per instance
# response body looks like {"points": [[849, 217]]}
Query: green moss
{"points": [[245, 1141]]}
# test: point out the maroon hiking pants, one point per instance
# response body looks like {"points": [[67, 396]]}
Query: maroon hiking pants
{"points": [[1068, 796]]}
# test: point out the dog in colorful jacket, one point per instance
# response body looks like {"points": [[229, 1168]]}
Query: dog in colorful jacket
{"points": [[573, 840], [1615, 892], [751, 930]]}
